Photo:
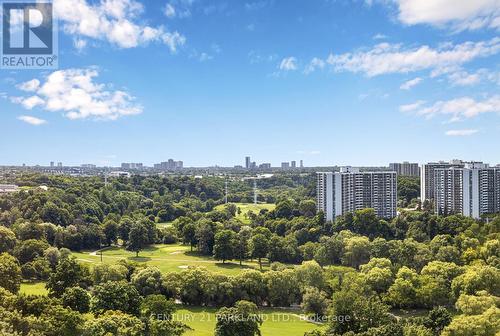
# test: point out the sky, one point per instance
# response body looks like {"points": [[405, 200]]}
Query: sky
{"points": [[330, 82]]}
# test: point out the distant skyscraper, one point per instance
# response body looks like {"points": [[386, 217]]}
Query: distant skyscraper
{"points": [[59, 165], [301, 163], [52, 164], [405, 168], [427, 187], [132, 165], [285, 165], [247, 162], [472, 191], [265, 166], [294, 164], [350, 190]]}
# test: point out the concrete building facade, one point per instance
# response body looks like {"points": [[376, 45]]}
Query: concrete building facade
{"points": [[349, 190]]}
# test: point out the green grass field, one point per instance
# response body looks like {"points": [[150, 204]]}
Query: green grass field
{"points": [[246, 207], [168, 258], [33, 288], [276, 322]]}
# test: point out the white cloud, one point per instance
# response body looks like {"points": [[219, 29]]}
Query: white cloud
{"points": [[379, 37], [457, 109], [461, 132], [316, 63], [114, 21], [411, 83], [75, 93], [463, 78], [387, 58], [288, 64], [80, 44], [32, 120], [411, 107], [29, 86], [169, 10], [178, 9], [455, 14]]}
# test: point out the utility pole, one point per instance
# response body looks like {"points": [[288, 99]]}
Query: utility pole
{"points": [[225, 198], [254, 191]]}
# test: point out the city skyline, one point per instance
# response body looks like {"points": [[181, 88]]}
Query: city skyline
{"points": [[279, 80]]}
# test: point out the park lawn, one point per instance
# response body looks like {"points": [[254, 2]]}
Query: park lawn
{"points": [[168, 258], [33, 288], [276, 322], [246, 207]]}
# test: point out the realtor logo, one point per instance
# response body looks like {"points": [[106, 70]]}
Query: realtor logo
{"points": [[29, 35]]}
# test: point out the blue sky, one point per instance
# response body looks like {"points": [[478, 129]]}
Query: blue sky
{"points": [[209, 82]]}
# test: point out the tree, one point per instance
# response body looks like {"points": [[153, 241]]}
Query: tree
{"points": [[10, 273], [259, 246], [283, 287], [111, 229], [114, 323], [148, 281], [437, 319], [240, 320], [77, 299], [486, 324], [241, 245], [357, 251], [7, 240], [307, 208], [29, 250], [138, 238], [118, 295], [353, 311], [157, 306], [205, 236], [189, 234], [224, 245], [69, 273], [314, 302]]}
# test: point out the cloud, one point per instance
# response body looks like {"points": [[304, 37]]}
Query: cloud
{"points": [[454, 14], [114, 21], [379, 37], [32, 120], [462, 132], [75, 93], [316, 63], [169, 11], [288, 64], [387, 58], [256, 5], [411, 107], [178, 9], [29, 86], [411, 83], [457, 109]]}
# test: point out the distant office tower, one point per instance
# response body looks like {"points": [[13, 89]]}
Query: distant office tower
{"points": [[285, 165], [265, 166], [132, 165], [171, 164], [405, 168], [350, 190], [301, 164], [59, 164], [470, 191], [427, 177], [247, 162], [294, 164], [52, 164]]}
